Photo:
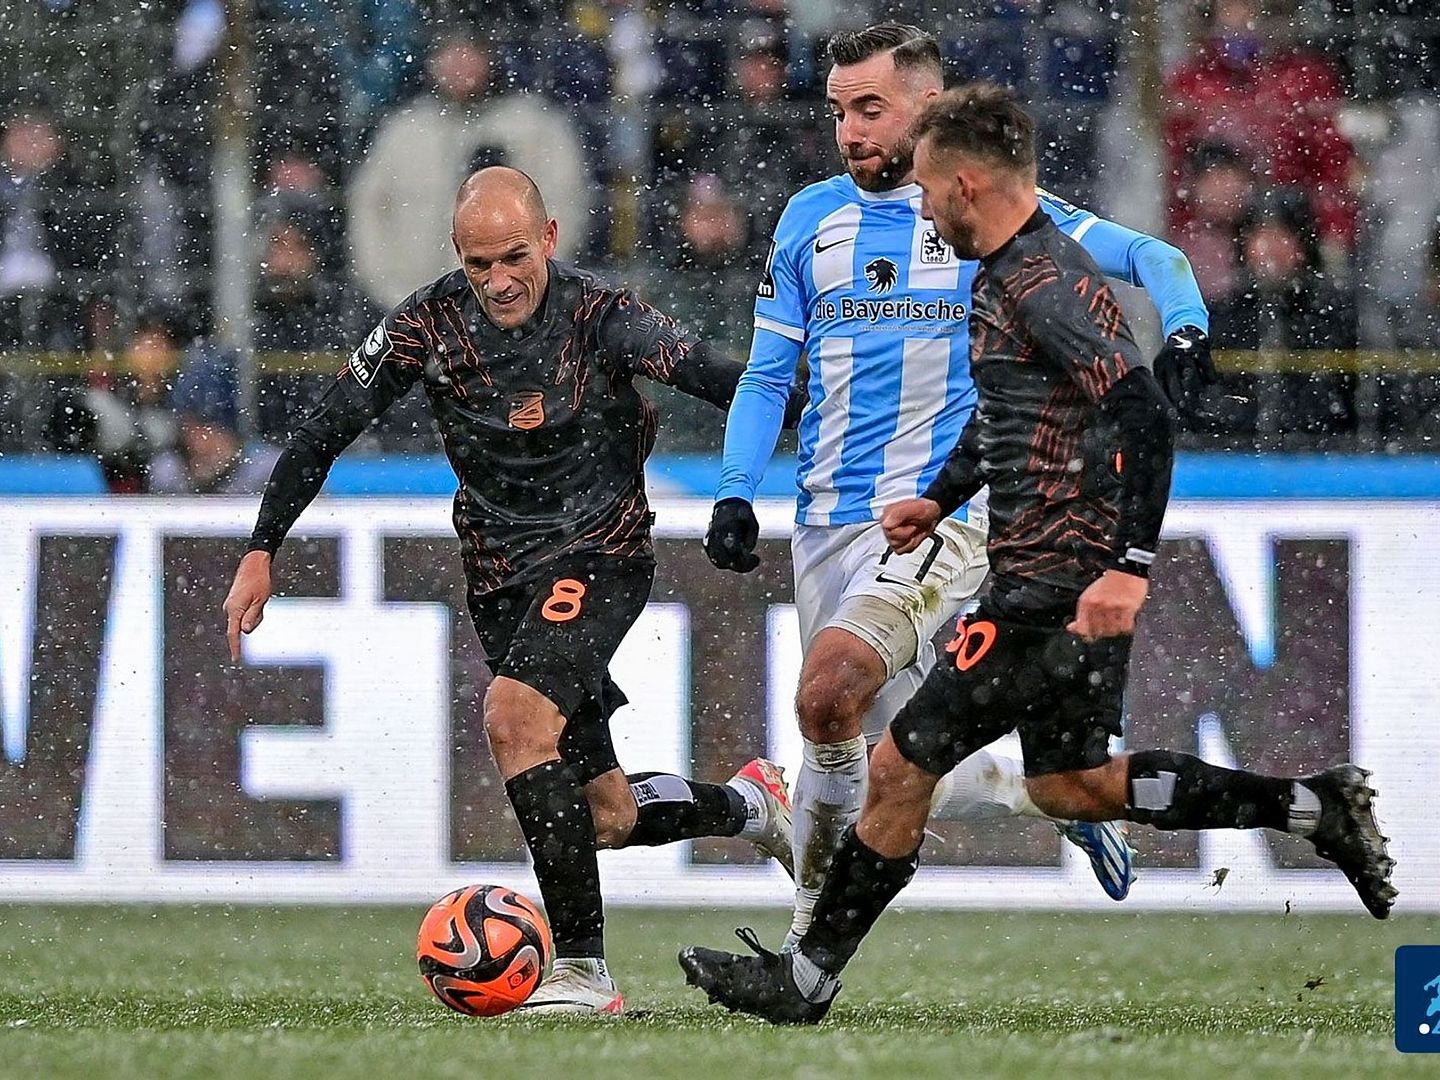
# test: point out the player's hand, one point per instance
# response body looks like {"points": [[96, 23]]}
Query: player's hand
{"points": [[245, 606], [730, 541], [908, 522], [1184, 368], [1109, 606]]}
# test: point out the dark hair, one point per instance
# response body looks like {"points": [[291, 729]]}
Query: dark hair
{"points": [[910, 46], [981, 119], [1289, 208], [1213, 154]]}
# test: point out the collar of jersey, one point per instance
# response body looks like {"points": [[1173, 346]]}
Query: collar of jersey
{"points": [[904, 191]]}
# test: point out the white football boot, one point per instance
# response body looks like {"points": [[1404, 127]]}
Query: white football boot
{"points": [[576, 987], [767, 803]]}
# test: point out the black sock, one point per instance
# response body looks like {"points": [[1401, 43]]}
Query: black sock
{"points": [[671, 808], [858, 887], [560, 833], [1178, 791]]}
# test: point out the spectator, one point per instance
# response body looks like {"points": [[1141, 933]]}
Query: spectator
{"points": [[400, 200], [1409, 402], [1274, 104], [123, 416], [1285, 302], [296, 189], [40, 238], [209, 457], [1220, 186], [703, 281], [373, 43], [299, 308]]}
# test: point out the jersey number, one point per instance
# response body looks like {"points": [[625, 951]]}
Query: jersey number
{"points": [[563, 603], [935, 545]]}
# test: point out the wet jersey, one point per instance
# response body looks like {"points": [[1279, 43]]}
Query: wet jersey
{"points": [[544, 427], [863, 285], [1048, 341]]}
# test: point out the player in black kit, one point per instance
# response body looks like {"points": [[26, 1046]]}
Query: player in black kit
{"points": [[1073, 437], [530, 368]]}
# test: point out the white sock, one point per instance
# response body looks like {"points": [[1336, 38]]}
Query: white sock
{"points": [[813, 981], [591, 968], [826, 800], [757, 809], [1304, 810], [984, 785]]}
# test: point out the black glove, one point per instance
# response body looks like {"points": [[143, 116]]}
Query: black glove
{"points": [[732, 536], [795, 405], [1184, 368]]}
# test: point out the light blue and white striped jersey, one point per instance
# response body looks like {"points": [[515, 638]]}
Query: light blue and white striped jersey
{"points": [[864, 285]]}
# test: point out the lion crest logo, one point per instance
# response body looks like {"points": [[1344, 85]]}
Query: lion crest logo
{"points": [[881, 274]]}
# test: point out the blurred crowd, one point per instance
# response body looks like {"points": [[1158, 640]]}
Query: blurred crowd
{"points": [[1300, 159]]}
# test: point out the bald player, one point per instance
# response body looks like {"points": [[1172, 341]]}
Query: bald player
{"points": [[530, 370]]}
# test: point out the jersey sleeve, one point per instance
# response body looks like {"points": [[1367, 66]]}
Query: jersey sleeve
{"points": [[1135, 258], [780, 298], [757, 414], [639, 339], [379, 372], [1073, 318]]}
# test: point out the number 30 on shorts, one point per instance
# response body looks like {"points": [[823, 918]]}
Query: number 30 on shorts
{"points": [[973, 643], [563, 603]]}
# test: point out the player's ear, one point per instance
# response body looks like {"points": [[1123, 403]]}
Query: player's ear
{"points": [[552, 235], [455, 243]]}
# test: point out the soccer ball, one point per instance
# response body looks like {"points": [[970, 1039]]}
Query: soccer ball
{"points": [[483, 949]]}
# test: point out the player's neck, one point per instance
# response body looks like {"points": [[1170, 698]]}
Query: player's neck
{"points": [[1003, 221]]}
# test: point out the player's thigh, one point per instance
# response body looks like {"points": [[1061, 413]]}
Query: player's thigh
{"points": [[1087, 691], [984, 686], [897, 603], [822, 573], [580, 610]]}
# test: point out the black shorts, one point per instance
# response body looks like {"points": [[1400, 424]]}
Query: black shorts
{"points": [[1063, 695], [557, 633]]}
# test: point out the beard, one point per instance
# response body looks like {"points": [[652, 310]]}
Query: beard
{"points": [[960, 236], [890, 173]]}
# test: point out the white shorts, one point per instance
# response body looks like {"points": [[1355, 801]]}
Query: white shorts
{"points": [[846, 576]]}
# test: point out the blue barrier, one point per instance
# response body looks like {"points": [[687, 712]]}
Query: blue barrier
{"points": [[1197, 476], [50, 474]]}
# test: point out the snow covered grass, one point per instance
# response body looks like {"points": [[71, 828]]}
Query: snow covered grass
{"points": [[291, 992]]}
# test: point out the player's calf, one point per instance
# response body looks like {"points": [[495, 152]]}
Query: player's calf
{"points": [[897, 804], [1332, 809], [1097, 794]]}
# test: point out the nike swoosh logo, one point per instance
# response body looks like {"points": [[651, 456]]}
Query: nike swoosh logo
{"points": [[837, 243]]}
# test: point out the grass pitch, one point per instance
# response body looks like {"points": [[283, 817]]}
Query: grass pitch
{"points": [[265, 992]]}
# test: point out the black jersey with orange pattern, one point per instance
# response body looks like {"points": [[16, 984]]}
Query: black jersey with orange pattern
{"points": [[1049, 342], [544, 427]]}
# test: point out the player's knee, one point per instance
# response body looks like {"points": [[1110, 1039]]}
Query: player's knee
{"points": [[837, 686], [514, 721], [827, 713]]}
